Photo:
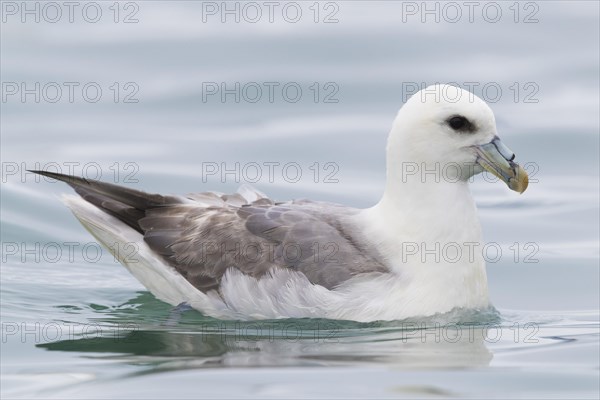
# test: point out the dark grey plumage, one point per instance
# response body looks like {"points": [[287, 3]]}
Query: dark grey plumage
{"points": [[202, 235]]}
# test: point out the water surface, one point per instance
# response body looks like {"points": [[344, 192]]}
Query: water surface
{"points": [[76, 325]]}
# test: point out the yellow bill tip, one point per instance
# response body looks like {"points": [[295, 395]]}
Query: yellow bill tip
{"points": [[520, 181]]}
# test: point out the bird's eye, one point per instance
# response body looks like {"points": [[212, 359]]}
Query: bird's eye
{"points": [[460, 123], [457, 122]]}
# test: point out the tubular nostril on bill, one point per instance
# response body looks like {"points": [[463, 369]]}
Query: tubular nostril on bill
{"points": [[502, 149]]}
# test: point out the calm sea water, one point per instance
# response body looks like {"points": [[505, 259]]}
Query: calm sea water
{"points": [[146, 111]]}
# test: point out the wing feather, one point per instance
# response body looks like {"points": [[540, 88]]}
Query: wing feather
{"points": [[255, 238], [202, 235]]}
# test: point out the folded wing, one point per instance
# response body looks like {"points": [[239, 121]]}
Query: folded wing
{"points": [[203, 235]]}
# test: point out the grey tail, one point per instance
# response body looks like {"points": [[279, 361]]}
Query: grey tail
{"points": [[128, 205]]}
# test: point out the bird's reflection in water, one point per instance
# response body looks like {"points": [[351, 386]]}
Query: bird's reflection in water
{"points": [[164, 342]]}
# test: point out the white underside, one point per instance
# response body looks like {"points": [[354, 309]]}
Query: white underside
{"points": [[282, 294]]}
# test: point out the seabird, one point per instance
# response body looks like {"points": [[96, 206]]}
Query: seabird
{"points": [[417, 252]]}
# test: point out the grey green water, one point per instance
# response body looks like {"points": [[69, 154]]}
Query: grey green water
{"points": [[75, 324]]}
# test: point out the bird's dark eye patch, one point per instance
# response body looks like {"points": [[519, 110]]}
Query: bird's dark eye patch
{"points": [[460, 124]]}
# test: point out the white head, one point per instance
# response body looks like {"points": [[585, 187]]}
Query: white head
{"points": [[451, 129]]}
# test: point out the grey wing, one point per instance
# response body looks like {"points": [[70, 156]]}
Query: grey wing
{"points": [[202, 235], [202, 242]]}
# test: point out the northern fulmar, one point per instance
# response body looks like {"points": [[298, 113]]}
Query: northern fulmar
{"points": [[417, 252]]}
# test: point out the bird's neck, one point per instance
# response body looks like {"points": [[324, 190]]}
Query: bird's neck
{"points": [[419, 226], [423, 205], [438, 206]]}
